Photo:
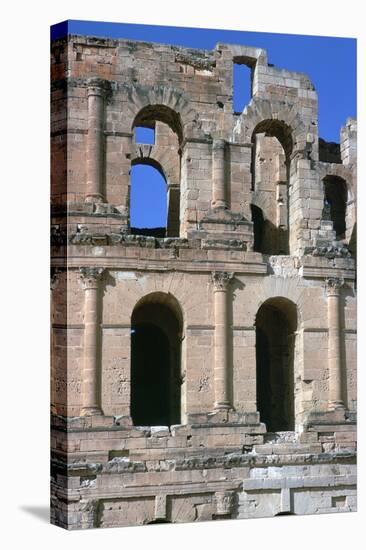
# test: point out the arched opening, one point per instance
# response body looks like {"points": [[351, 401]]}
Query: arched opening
{"points": [[276, 324], [335, 204], [156, 328], [161, 128], [148, 116], [271, 153], [148, 199]]}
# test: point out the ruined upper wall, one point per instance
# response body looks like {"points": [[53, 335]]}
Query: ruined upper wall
{"points": [[203, 78], [102, 89]]}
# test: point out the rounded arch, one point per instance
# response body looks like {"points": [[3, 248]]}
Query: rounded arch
{"points": [[149, 161], [327, 170], [287, 306], [276, 325], [161, 113], [271, 168], [167, 105], [259, 111], [164, 298], [156, 334], [282, 288], [161, 159], [279, 129]]}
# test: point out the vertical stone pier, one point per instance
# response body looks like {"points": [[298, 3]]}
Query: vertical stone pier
{"points": [[90, 277], [221, 280], [334, 285]]}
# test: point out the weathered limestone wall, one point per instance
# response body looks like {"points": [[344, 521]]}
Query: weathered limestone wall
{"points": [[120, 291], [221, 461]]}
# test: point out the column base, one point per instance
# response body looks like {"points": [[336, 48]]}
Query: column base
{"points": [[91, 411], [219, 204], [333, 405], [94, 198], [223, 406]]}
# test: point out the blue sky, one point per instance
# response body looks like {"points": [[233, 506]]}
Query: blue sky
{"points": [[329, 62]]}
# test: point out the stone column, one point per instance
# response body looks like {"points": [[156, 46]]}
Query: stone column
{"points": [[218, 174], [334, 343], [221, 282], [90, 379], [95, 141]]}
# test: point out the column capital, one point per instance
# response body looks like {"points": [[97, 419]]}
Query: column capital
{"points": [[98, 86], [221, 280], [225, 501], [333, 285], [89, 276]]}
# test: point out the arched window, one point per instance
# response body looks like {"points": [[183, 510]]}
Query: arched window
{"points": [[276, 324], [157, 135], [335, 204], [156, 328], [272, 147], [148, 201]]}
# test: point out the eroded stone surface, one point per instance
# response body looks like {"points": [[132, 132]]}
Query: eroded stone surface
{"points": [[261, 214]]}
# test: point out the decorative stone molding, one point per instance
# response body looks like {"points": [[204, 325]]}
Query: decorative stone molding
{"points": [[224, 502], [329, 252], [221, 280], [90, 276], [333, 285]]}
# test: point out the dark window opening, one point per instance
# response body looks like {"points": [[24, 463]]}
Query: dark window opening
{"points": [[155, 366], [335, 203], [275, 346], [242, 86], [353, 242], [145, 135], [148, 201], [329, 151], [258, 227]]}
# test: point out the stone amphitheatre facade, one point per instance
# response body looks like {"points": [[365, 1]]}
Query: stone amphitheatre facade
{"points": [[206, 370]]}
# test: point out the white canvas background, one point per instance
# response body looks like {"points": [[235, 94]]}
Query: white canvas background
{"points": [[24, 306]]}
